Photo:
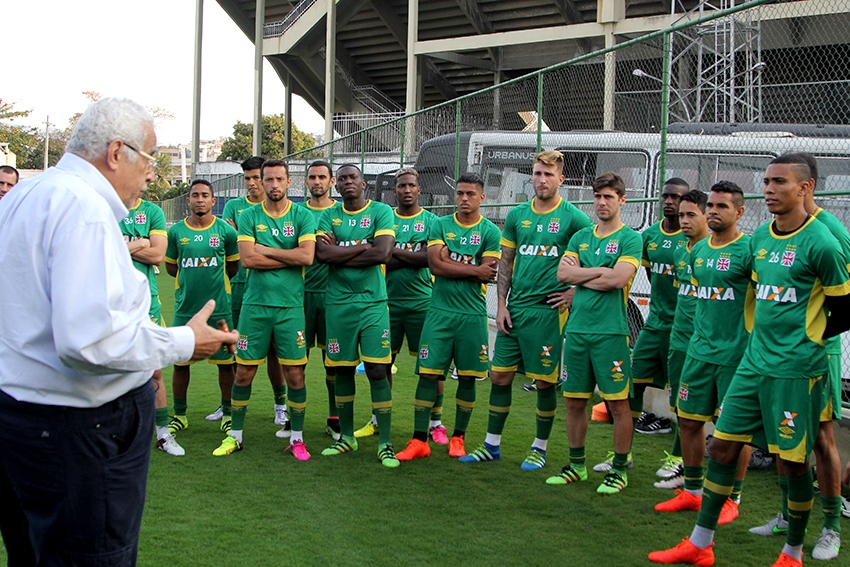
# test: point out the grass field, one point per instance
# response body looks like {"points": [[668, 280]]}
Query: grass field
{"points": [[261, 507]]}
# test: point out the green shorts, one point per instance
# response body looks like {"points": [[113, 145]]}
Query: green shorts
{"points": [[457, 336], [778, 415], [237, 290], [155, 311], [407, 320], [314, 319], [675, 364], [221, 357], [649, 358], [534, 344], [597, 360], [354, 324], [261, 325], [831, 406], [701, 390]]}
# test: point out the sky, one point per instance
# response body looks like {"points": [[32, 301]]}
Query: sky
{"points": [[140, 50]]}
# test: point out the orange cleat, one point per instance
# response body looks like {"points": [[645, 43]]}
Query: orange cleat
{"points": [[456, 448], [685, 552], [415, 449], [728, 513], [786, 560], [683, 500]]}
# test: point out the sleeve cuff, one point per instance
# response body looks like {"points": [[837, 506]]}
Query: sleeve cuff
{"points": [[184, 342]]}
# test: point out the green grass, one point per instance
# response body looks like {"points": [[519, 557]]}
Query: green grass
{"points": [[261, 507]]}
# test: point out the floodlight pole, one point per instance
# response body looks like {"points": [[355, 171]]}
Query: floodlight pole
{"points": [[259, 23], [196, 86], [330, 73]]}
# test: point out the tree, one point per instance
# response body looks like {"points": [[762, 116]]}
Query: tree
{"points": [[7, 112], [160, 186], [239, 146]]}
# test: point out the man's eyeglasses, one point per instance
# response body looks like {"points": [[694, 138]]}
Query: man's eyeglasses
{"points": [[151, 159]]}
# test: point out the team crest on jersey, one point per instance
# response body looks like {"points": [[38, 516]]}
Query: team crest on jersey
{"points": [[526, 224], [554, 226], [419, 226], [612, 247], [423, 352], [788, 258], [214, 241], [683, 392], [184, 241], [333, 346], [365, 222], [547, 351], [475, 239], [242, 343], [787, 425], [336, 222], [262, 228], [723, 264], [451, 236], [288, 230], [141, 218]]}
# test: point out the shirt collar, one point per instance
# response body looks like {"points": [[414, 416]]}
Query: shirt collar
{"points": [[78, 166]]}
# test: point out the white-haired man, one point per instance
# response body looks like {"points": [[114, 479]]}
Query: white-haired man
{"points": [[78, 350]]}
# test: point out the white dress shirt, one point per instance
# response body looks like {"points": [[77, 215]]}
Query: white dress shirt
{"points": [[74, 324]]}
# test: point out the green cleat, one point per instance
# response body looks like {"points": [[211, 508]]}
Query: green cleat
{"points": [[535, 460], [225, 424], [387, 456], [177, 423], [228, 446], [340, 447], [614, 482], [568, 475]]}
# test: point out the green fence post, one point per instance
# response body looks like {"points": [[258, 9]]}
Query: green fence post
{"points": [[665, 115]]}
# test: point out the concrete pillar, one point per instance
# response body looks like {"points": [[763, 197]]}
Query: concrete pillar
{"points": [[196, 84], [330, 70], [260, 20]]}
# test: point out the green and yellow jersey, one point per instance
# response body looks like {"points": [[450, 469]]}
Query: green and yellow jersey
{"points": [[724, 305], [200, 255], [233, 209], [143, 220], [349, 228], [466, 244], [540, 239], [839, 231], [281, 287], [316, 276], [793, 274], [602, 312], [411, 234], [683, 319], [659, 248]]}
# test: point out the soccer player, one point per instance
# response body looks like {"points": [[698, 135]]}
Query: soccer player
{"points": [[826, 453], [532, 304], [202, 255], [409, 283], [319, 181], [650, 353], [463, 253], [694, 226], [233, 210], [722, 267], [775, 398], [9, 177], [276, 241], [355, 240], [601, 262], [144, 232]]}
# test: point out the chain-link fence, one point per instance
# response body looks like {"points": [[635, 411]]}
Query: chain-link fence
{"points": [[713, 97]]}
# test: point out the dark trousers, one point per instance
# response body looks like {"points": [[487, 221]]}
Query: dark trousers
{"points": [[72, 481]]}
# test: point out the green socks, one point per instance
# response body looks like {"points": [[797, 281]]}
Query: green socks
{"points": [[297, 407], [239, 400], [500, 407], [426, 395], [344, 395], [547, 405], [783, 489], [676, 451], [716, 490], [180, 406], [465, 400], [831, 512], [161, 417], [578, 459], [619, 463], [737, 488], [225, 406], [329, 384], [694, 478], [279, 395], [382, 408], [801, 493], [437, 410]]}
